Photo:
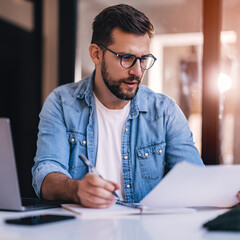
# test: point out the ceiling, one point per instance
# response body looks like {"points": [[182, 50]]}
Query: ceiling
{"points": [[167, 16], [141, 3]]}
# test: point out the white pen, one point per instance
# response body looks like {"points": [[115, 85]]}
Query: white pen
{"points": [[94, 170]]}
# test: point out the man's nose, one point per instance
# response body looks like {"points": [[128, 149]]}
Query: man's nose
{"points": [[136, 69]]}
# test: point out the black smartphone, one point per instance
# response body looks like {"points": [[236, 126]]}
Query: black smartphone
{"points": [[38, 219]]}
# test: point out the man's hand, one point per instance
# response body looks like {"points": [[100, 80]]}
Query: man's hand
{"points": [[238, 196], [94, 192], [91, 191]]}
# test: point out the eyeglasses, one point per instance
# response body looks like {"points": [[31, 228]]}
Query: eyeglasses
{"points": [[128, 60]]}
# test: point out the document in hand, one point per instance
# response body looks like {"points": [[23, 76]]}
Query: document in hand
{"points": [[188, 185]]}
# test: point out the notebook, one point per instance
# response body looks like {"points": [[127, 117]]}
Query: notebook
{"points": [[10, 198], [122, 208]]}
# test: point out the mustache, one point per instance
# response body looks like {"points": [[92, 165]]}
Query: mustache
{"points": [[132, 78]]}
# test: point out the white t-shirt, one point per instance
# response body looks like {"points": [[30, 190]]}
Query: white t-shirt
{"points": [[111, 124]]}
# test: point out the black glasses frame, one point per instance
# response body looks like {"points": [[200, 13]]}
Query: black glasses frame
{"points": [[121, 56]]}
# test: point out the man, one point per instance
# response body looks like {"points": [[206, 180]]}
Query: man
{"points": [[128, 132]]}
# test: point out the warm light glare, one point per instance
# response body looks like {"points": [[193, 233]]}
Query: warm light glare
{"points": [[224, 82]]}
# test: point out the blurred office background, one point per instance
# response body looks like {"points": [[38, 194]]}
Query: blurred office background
{"points": [[44, 44]]}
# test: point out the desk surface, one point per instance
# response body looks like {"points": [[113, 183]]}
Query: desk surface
{"points": [[140, 227]]}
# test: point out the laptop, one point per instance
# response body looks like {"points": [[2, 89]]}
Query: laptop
{"points": [[10, 198]]}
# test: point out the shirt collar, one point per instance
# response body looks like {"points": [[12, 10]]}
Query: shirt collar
{"points": [[138, 104], [86, 89]]}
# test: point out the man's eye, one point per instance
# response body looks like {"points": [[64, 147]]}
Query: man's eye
{"points": [[128, 58]]}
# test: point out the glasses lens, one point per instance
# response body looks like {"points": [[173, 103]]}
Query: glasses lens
{"points": [[127, 60], [147, 62]]}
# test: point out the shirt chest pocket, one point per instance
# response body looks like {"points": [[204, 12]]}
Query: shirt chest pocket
{"points": [[151, 160], [78, 145]]}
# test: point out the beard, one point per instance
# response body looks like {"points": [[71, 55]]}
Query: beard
{"points": [[115, 86]]}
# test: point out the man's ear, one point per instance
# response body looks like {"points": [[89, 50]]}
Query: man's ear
{"points": [[95, 53]]}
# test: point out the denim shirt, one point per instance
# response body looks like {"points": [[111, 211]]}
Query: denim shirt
{"points": [[156, 137]]}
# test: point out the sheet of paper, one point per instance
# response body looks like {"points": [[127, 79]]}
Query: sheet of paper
{"points": [[188, 185]]}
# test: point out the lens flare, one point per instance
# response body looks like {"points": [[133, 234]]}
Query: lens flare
{"points": [[224, 82]]}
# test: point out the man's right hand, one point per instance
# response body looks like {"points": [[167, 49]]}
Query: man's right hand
{"points": [[92, 191]]}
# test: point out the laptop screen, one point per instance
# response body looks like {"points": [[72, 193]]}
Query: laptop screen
{"points": [[9, 186]]}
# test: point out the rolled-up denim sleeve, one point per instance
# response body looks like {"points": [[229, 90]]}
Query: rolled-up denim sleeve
{"points": [[52, 145], [179, 139]]}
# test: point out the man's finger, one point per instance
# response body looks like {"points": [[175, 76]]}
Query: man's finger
{"points": [[97, 181], [101, 193], [91, 200], [238, 196]]}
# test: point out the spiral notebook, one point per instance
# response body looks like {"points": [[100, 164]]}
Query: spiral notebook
{"points": [[123, 208]]}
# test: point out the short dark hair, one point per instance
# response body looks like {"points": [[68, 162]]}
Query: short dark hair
{"points": [[122, 16]]}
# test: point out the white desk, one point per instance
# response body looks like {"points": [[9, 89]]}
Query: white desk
{"points": [[165, 227]]}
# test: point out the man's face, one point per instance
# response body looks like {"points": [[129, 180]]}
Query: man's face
{"points": [[117, 87], [124, 83]]}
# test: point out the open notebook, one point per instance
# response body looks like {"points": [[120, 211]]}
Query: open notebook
{"points": [[119, 209]]}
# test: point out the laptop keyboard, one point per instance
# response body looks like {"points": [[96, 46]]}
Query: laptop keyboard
{"points": [[32, 203]]}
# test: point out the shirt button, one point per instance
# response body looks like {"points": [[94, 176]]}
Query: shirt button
{"points": [[128, 186], [84, 142], [126, 130], [72, 140], [125, 157], [160, 151], [146, 154]]}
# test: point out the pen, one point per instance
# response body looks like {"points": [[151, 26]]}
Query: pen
{"points": [[131, 205], [94, 170]]}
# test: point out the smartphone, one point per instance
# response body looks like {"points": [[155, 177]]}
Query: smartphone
{"points": [[38, 219]]}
